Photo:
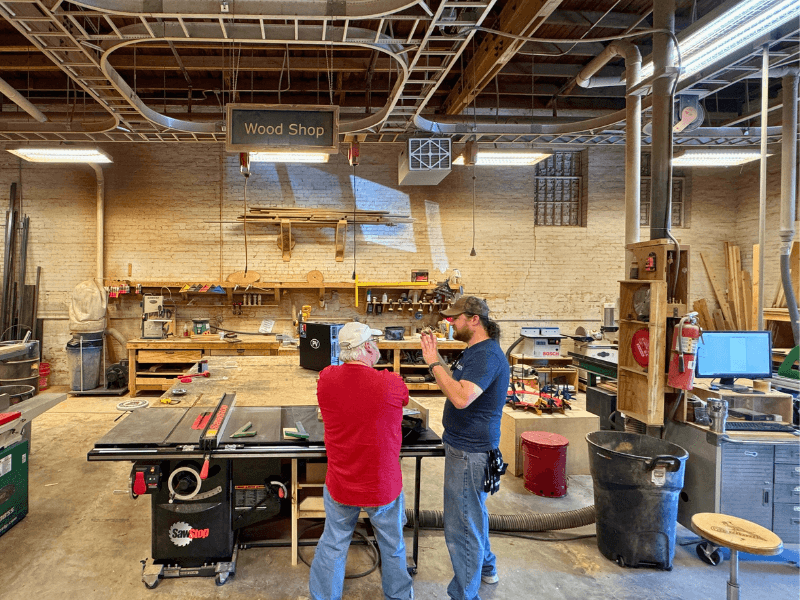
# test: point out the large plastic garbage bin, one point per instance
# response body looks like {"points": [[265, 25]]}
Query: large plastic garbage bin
{"points": [[83, 358], [637, 480]]}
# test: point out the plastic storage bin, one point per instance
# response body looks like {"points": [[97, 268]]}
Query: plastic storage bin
{"points": [[86, 360], [637, 481]]}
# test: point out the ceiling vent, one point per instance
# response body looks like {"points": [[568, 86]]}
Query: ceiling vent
{"points": [[424, 161]]}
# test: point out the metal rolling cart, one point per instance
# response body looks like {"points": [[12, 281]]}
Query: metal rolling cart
{"points": [[751, 475]]}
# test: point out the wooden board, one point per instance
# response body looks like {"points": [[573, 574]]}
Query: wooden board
{"points": [[706, 320], [243, 278], [719, 292]]}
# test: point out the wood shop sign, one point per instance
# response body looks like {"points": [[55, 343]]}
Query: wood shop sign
{"points": [[268, 127]]}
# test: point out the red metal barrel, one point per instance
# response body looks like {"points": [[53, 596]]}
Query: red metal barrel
{"points": [[545, 463]]}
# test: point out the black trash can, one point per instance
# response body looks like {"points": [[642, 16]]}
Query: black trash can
{"points": [[637, 480]]}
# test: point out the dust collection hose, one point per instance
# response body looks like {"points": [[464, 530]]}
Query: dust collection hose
{"points": [[523, 522]]}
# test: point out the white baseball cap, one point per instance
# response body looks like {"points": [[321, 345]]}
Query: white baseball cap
{"points": [[354, 334]]}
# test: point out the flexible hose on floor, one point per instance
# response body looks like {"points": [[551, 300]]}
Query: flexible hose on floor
{"points": [[434, 519]]}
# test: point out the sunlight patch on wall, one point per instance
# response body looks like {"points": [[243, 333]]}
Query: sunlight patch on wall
{"points": [[438, 251], [374, 196]]}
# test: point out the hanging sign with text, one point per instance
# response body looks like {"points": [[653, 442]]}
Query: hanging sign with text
{"points": [[269, 127]]}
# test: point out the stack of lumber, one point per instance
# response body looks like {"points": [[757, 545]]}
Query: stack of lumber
{"points": [[737, 294], [323, 216], [734, 295]]}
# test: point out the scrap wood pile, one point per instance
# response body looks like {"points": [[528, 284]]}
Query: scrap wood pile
{"points": [[736, 294], [298, 216]]}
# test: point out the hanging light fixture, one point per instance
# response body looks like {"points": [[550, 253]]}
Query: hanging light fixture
{"points": [[714, 157], [289, 157], [511, 157], [730, 27], [62, 154]]}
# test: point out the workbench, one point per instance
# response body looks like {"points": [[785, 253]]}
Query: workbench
{"points": [[154, 364], [770, 402], [396, 350], [271, 392]]}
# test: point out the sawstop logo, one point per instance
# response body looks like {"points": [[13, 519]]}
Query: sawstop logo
{"points": [[181, 534]]}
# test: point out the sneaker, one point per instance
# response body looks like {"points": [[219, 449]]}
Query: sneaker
{"points": [[490, 578]]}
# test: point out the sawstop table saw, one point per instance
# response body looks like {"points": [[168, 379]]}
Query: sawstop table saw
{"points": [[210, 472]]}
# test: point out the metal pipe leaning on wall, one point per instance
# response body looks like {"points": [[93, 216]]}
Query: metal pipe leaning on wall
{"points": [[434, 519]]}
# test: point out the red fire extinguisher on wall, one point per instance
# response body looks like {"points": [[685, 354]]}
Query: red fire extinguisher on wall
{"points": [[684, 350]]}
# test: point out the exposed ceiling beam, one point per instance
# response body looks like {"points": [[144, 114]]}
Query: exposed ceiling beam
{"points": [[519, 17]]}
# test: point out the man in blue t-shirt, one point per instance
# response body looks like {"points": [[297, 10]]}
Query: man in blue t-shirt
{"points": [[476, 391]]}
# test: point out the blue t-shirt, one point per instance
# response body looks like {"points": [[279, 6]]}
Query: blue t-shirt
{"points": [[476, 428]]}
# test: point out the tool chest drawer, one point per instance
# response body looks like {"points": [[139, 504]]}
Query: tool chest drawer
{"points": [[790, 453], [168, 356], [787, 492], [236, 352], [785, 473], [786, 522]]}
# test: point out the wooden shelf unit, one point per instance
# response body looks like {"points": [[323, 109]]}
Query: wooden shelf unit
{"points": [[641, 389], [449, 349]]}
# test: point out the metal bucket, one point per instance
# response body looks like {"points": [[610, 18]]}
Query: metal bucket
{"points": [[16, 393], [17, 369]]}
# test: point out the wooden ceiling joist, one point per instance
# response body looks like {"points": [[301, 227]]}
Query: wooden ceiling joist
{"points": [[519, 17]]}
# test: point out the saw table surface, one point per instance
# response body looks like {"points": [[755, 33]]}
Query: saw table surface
{"points": [[256, 381]]}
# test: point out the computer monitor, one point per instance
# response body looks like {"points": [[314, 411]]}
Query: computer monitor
{"points": [[728, 355]]}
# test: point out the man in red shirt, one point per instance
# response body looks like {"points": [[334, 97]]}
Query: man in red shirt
{"points": [[362, 409]]}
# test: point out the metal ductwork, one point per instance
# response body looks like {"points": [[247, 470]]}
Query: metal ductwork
{"points": [[21, 101]]}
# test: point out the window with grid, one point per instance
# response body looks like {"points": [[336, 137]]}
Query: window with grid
{"points": [[678, 200], [558, 190]]}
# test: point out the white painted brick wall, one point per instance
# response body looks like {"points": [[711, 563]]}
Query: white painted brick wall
{"points": [[171, 213]]}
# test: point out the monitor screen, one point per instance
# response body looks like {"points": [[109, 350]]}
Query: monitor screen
{"points": [[728, 355]]}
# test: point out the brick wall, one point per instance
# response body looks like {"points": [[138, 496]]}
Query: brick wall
{"points": [[171, 215]]}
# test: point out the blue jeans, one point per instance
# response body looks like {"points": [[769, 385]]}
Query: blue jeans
{"points": [[327, 568], [466, 522]]}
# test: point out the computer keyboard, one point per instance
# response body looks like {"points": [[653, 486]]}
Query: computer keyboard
{"points": [[758, 426]]}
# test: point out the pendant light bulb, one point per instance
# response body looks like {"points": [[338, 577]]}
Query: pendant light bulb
{"points": [[473, 253]]}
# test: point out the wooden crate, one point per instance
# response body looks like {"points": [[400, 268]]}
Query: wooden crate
{"points": [[573, 425]]}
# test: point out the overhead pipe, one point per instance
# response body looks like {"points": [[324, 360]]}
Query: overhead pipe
{"points": [[101, 214], [661, 143], [633, 130], [21, 101], [789, 194]]}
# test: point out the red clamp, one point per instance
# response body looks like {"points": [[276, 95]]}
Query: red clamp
{"points": [[188, 378]]}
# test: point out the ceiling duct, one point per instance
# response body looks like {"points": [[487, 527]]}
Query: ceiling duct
{"points": [[424, 161]]}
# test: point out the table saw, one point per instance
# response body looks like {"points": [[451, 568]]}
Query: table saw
{"points": [[206, 482]]}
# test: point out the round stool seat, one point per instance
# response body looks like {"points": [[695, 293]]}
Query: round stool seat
{"points": [[736, 534]]}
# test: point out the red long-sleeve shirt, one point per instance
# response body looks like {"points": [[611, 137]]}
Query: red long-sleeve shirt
{"points": [[362, 409]]}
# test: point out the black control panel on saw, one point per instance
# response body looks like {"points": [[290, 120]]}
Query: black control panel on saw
{"points": [[145, 479]]}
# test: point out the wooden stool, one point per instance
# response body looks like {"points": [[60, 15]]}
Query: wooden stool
{"points": [[736, 534]]}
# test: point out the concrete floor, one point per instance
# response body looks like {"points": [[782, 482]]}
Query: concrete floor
{"points": [[84, 538]]}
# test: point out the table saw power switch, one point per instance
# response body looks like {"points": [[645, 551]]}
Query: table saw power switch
{"points": [[146, 479]]}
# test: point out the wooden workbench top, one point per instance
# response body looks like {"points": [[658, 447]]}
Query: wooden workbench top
{"points": [[209, 341], [257, 381]]}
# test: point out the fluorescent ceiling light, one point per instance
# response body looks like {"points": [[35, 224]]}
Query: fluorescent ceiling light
{"points": [[289, 157], [715, 157], [735, 27], [62, 154], [505, 158]]}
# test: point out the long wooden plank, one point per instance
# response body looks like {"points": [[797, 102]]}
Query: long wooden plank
{"points": [[734, 297], [754, 287], [706, 320], [718, 291], [719, 320], [747, 290]]}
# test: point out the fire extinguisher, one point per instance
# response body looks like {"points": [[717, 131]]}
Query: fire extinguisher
{"points": [[684, 350]]}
